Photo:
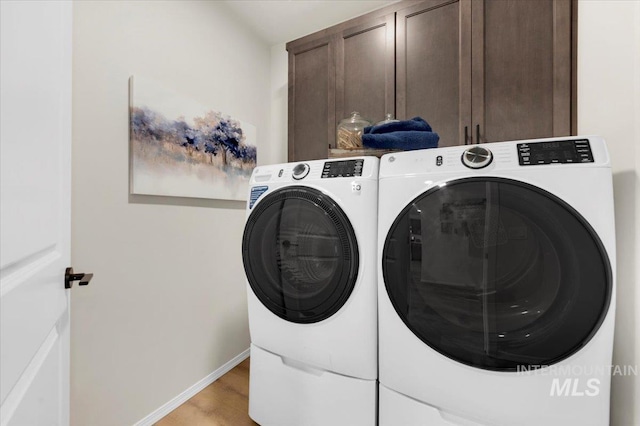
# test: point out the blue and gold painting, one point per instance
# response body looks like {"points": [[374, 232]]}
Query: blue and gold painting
{"points": [[178, 147]]}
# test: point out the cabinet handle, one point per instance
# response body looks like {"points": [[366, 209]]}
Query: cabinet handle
{"points": [[477, 133], [466, 135]]}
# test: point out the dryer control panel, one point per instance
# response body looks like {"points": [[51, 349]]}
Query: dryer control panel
{"points": [[343, 168], [555, 152]]}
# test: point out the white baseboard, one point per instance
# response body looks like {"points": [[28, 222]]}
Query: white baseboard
{"points": [[191, 391]]}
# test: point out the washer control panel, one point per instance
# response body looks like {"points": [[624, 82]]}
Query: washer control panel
{"points": [[343, 168], [555, 152]]}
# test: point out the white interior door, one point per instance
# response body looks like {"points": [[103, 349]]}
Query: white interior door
{"points": [[35, 159]]}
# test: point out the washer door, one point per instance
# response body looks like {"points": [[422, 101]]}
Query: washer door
{"points": [[497, 274], [300, 254]]}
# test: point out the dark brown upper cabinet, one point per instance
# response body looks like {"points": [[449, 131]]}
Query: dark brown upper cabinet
{"points": [[312, 91], [476, 70], [522, 69], [335, 72], [433, 63], [365, 71]]}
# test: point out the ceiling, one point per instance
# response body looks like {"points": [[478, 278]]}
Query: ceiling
{"points": [[281, 21]]}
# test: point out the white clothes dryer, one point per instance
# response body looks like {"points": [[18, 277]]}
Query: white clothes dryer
{"points": [[497, 284], [309, 250]]}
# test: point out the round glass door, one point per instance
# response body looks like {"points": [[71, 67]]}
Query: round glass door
{"points": [[300, 254], [496, 274]]}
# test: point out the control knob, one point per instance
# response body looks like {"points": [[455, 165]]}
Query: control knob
{"points": [[300, 171], [477, 157]]}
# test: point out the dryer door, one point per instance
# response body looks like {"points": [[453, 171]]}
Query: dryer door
{"points": [[300, 254], [497, 274]]}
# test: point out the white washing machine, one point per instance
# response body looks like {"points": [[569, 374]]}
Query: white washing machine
{"points": [[496, 284], [309, 250]]}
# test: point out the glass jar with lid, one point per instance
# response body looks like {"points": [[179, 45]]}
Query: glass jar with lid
{"points": [[388, 118], [350, 130]]}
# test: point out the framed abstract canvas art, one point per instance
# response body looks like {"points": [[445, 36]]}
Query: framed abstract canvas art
{"points": [[181, 148]]}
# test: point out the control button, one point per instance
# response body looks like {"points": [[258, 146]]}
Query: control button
{"points": [[300, 171], [439, 160], [477, 157]]}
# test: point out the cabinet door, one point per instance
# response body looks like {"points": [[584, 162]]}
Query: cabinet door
{"points": [[521, 69], [433, 65], [312, 99], [365, 70]]}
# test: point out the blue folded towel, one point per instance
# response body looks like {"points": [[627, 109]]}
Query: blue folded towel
{"points": [[406, 141], [404, 135], [416, 123]]}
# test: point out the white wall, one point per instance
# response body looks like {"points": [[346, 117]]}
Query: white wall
{"points": [[609, 105], [167, 305]]}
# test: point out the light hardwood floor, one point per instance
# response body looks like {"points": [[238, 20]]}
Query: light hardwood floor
{"points": [[224, 402]]}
